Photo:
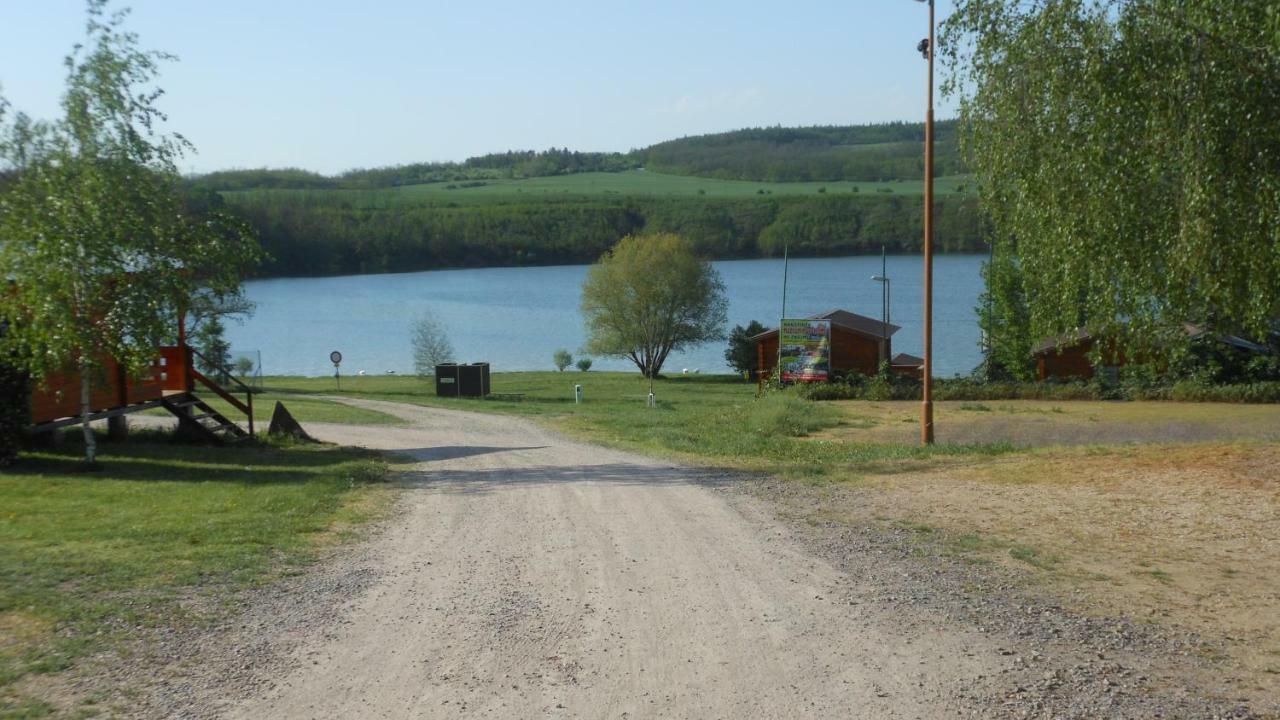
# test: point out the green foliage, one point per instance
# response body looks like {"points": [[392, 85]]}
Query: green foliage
{"points": [[650, 295], [562, 359], [210, 340], [741, 354], [1005, 321], [330, 232], [243, 367], [1128, 153], [584, 364], [99, 242]]}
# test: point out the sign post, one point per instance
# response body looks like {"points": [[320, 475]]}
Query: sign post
{"points": [[804, 350], [335, 357]]}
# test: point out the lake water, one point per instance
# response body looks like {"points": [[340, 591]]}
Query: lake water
{"points": [[515, 318]]}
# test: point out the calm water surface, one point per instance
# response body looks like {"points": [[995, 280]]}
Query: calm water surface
{"points": [[515, 318]]}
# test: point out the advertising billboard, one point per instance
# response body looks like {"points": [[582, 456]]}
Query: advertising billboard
{"points": [[804, 350]]}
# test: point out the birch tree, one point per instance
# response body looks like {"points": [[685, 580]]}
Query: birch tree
{"points": [[1128, 155], [95, 236]]}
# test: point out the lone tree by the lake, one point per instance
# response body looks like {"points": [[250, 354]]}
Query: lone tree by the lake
{"points": [[431, 346], [562, 358], [101, 248], [648, 296]]}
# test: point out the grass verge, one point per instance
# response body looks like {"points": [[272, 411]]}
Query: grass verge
{"points": [[86, 558]]}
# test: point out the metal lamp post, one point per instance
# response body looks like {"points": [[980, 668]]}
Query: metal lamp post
{"points": [[885, 296], [926, 47]]}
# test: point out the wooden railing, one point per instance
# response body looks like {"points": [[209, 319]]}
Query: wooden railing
{"points": [[245, 407]]}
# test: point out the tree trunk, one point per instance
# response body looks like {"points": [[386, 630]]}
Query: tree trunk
{"points": [[90, 443]]}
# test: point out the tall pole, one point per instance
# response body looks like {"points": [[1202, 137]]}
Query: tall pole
{"points": [[926, 407], [884, 306], [785, 249]]}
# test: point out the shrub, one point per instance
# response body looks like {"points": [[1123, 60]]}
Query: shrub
{"points": [[584, 364], [562, 359], [829, 391]]}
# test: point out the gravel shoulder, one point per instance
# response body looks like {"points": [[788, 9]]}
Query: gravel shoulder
{"points": [[524, 574]]}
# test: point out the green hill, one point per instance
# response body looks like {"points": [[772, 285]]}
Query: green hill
{"points": [[739, 194], [891, 151]]}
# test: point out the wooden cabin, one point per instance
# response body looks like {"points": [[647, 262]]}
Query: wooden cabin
{"points": [[1068, 356], [858, 344], [171, 382], [909, 365]]}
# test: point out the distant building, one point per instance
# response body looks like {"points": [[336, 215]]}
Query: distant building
{"points": [[858, 344], [1068, 356]]}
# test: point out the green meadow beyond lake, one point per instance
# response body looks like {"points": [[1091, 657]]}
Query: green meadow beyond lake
{"points": [[515, 318]]}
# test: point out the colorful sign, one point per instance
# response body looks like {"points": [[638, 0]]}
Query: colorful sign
{"points": [[805, 350]]}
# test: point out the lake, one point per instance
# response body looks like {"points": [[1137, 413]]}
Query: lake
{"points": [[515, 318]]}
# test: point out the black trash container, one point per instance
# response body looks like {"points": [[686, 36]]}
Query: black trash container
{"points": [[455, 380]]}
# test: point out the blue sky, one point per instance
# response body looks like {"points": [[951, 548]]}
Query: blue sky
{"points": [[330, 86]]}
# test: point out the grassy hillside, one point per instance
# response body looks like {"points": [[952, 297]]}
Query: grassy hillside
{"points": [[749, 193], [869, 153]]}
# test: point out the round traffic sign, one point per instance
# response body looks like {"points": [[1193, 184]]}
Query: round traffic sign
{"points": [[335, 357]]}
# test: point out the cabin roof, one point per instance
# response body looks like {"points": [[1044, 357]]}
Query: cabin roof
{"points": [[846, 320], [905, 360]]}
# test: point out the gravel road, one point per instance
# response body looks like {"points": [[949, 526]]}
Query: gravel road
{"points": [[527, 575]]}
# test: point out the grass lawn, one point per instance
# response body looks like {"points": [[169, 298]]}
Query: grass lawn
{"points": [[698, 418], [87, 556]]}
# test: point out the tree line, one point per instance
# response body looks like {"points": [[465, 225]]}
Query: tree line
{"points": [[326, 234]]}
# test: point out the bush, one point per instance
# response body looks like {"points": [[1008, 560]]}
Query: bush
{"points": [[562, 359], [584, 364], [829, 391]]}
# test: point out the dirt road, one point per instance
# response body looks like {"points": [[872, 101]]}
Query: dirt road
{"points": [[531, 576]]}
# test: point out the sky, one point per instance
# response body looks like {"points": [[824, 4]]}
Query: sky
{"points": [[330, 86]]}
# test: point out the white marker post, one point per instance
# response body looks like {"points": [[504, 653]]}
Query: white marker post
{"points": [[577, 394]]}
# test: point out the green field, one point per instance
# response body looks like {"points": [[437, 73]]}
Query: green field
{"points": [[631, 183]]}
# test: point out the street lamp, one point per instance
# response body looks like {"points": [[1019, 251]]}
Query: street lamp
{"points": [[926, 47], [884, 313]]}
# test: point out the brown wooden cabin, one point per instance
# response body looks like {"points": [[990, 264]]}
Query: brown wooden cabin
{"points": [[909, 365], [170, 382], [1067, 356], [858, 344]]}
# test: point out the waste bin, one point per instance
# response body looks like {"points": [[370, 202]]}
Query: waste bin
{"points": [[462, 380]]}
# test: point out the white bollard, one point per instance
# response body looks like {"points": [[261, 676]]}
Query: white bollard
{"points": [[577, 394], [652, 401]]}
